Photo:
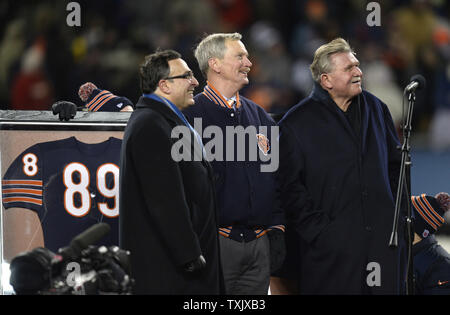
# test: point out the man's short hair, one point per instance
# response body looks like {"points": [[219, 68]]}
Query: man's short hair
{"points": [[322, 61], [155, 68], [212, 46]]}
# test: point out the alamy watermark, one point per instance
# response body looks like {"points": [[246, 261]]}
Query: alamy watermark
{"points": [[374, 17], [373, 279], [75, 278], [74, 17], [237, 144]]}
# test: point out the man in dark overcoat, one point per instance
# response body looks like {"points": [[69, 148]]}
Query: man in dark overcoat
{"points": [[167, 202], [339, 167]]}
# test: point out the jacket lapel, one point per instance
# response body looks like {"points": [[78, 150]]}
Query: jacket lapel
{"points": [[364, 111], [323, 97], [174, 120], [163, 109]]}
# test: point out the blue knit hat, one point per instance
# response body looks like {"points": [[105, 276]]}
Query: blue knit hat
{"points": [[429, 212]]}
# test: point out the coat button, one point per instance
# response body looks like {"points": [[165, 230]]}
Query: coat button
{"points": [[368, 229], [232, 115]]}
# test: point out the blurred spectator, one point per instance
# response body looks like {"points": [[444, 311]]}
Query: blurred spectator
{"points": [[11, 46], [31, 88], [378, 79], [415, 24], [439, 128], [412, 29], [235, 15], [271, 72], [440, 124], [301, 77], [115, 35], [271, 53]]}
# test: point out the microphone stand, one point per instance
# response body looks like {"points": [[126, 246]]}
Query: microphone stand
{"points": [[405, 182]]}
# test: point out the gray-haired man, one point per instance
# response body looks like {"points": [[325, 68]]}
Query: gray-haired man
{"points": [[339, 167], [250, 223]]}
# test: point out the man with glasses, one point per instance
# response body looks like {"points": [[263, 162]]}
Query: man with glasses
{"points": [[250, 223], [167, 206]]}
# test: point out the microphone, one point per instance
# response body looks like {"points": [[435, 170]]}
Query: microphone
{"points": [[417, 82], [89, 237]]}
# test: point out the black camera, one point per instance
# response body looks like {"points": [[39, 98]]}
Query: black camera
{"points": [[78, 269]]}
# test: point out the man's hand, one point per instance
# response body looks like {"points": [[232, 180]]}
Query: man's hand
{"points": [[195, 265], [66, 110], [277, 249]]}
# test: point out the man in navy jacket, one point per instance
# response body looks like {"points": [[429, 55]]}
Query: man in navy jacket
{"points": [[246, 194], [339, 167]]}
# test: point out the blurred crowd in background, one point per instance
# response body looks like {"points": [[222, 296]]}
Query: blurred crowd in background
{"points": [[43, 60]]}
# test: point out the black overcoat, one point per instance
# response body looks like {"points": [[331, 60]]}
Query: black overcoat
{"points": [[167, 208], [338, 191]]}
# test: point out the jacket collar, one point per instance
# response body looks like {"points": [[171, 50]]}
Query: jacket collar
{"points": [[163, 109], [215, 96], [424, 244], [167, 113], [322, 96]]}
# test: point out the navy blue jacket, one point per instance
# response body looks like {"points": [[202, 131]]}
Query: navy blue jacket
{"points": [[338, 190], [431, 268], [246, 196]]}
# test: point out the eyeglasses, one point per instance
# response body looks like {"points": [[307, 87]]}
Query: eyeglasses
{"points": [[188, 75]]}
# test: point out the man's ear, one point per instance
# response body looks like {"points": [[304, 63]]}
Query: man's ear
{"points": [[214, 64], [163, 86], [325, 81]]}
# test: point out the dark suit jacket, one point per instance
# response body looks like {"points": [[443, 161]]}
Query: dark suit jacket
{"points": [[167, 208]]}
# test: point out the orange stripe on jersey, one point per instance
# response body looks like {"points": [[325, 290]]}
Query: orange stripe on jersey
{"points": [[37, 192], [23, 199], [22, 182]]}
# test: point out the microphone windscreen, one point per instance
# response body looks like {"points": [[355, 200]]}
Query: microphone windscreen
{"points": [[419, 79]]}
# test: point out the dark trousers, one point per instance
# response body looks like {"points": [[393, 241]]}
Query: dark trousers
{"points": [[246, 266]]}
